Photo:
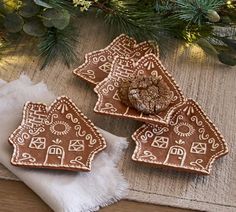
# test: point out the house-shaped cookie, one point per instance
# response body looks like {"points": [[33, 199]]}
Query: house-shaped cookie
{"points": [[98, 63], [190, 142], [55, 137], [124, 69]]}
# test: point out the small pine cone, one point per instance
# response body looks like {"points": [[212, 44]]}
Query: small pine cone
{"points": [[213, 16]]}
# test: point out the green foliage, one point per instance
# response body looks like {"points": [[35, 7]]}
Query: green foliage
{"points": [[47, 19], [56, 18], [28, 9], [58, 44], [13, 22], [196, 11], [193, 21], [230, 42], [53, 13], [227, 58], [136, 18], [207, 46], [189, 20], [34, 27], [62, 4]]}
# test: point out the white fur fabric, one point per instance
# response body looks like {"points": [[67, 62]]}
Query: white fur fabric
{"points": [[61, 190]]}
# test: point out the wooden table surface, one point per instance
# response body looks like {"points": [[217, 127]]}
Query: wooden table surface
{"points": [[15, 196]]}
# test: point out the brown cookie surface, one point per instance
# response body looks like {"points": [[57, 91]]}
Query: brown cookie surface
{"points": [[191, 142], [149, 94], [109, 102], [123, 92], [98, 63], [56, 137]]}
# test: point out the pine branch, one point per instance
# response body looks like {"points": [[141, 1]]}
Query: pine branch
{"points": [[135, 18], [58, 44], [153, 19], [195, 11], [189, 20]]}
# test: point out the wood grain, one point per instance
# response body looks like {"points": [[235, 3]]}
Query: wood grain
{"points": [[201, 78]]}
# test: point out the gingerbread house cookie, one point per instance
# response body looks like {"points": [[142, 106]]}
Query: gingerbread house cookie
{"points": [[109, 101], [97, 64], [190, 142], [55, 137]]}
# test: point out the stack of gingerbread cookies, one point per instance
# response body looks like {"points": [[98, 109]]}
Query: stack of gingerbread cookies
{"points": [[131, 82]]}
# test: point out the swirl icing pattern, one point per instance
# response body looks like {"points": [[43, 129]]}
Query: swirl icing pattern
{"points": [[56, 137], [191, 142]]}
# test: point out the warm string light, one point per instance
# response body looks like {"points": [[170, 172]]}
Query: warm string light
{"points": [[2, 42], [190, 37], [12, 5], [230, 4], [193, 52]]}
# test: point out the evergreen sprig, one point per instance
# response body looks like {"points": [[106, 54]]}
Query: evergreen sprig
{"points": [[196, 11], [193, 21], [136, 18], [58, 44]]}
